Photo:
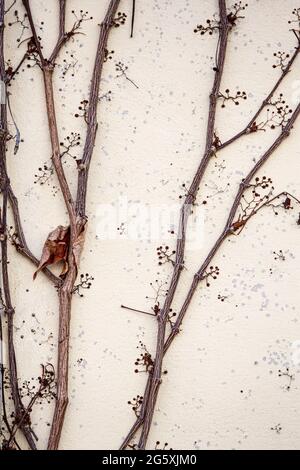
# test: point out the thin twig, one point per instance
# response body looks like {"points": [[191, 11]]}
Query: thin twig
{"points": [[138, 311], [10, 7], [132, 18], [16, 70]]}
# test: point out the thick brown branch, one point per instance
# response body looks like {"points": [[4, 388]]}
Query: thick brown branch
{"points": [[77, 222], [190, 199], [77, 218], [47, 69], [57, 162], [199, 275], [92, 109], [185, 211], [9, 310]]}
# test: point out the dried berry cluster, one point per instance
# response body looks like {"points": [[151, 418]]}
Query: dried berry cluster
{"points": [[83, 110], [279, 255], [286, 373], [46, 171], [136, 403], [165, 254], [119, 20], [277, 428], [239, 95], [44, 174], [280, 114], [144, 362], [44, 391], [186, 193], [12, 236], [106, 96], [85, 283], [295, 21], [79, 19], [70, 142], [235, 13], [277, 115], [121, 68], [159, 291], [222, 297], [250, 204], [212, 273], [282, 60], [108, 55], [68, 65], [164, 447], [22, 22], [213, 25]]}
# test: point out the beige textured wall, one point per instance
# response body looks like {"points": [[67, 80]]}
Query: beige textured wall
{"points": [[223, 388]]}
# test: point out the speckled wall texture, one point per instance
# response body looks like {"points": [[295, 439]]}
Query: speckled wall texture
{"points": [[223, 389]]}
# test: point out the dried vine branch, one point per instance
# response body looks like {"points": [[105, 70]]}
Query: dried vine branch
{"points": [[19, 408], [73, 234], [213, 144], [75, 208], [229, 228], [162, 317], [154, 379]]}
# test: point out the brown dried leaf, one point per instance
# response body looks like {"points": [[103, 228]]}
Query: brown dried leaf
{"points": [[238, 224], [55, 249]]}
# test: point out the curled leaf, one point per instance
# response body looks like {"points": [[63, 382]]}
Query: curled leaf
{"points": [[238, 224], [55, 249]]}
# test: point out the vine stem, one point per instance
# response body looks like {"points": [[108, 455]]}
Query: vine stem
{"points": [[76, 209], [184, 214], [227, 230], [162, 316], [8, 307], [198, 277]]}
